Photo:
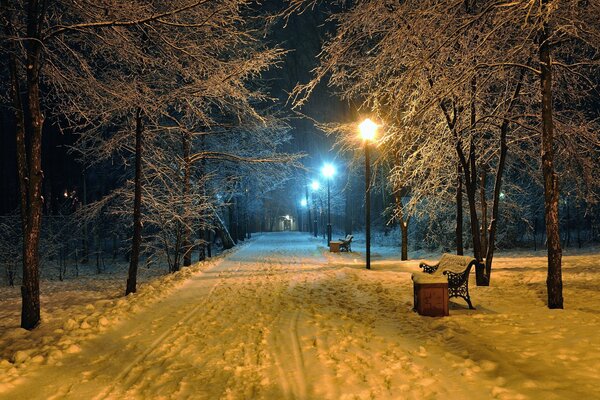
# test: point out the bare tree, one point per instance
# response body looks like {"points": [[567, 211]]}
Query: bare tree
{"points": [[64, 56], [466, 75]]}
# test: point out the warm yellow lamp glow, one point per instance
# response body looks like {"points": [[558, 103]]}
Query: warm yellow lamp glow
{"points": [[368, 129]]}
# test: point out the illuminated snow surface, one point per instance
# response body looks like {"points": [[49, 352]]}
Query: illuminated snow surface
{"points": [[280, 318]]}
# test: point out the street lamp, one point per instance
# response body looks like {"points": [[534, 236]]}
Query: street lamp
{"points": [[315, 186], [328, 171], [367, 130]]}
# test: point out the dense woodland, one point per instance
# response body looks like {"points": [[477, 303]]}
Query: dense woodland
{"points": [[168, 132]]}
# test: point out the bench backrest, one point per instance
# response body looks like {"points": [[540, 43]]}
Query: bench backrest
{"points": [[348, 238], [454, 263]]}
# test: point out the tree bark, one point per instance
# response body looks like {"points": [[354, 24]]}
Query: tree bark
{"points": [[204, 249], [187, 247], [490, 246], [399, 212], [86, 241], [469, 166], [222, 231], [471, 193], [239, 220], [459, 212], [551, 190], [137, 208], [470, 169], [347, 210], [232, 220], [484, 211], [29, 168]]}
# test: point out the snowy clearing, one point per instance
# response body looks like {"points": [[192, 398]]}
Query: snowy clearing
{"points": [[281, 318]]}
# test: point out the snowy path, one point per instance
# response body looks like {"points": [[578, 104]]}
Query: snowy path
{"points": [[280, 319]]}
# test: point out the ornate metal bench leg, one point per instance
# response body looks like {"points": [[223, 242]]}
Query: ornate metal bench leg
{"points": [[468, 300]]}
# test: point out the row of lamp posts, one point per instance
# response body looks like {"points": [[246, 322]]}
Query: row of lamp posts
{"points": [[367, 130]]}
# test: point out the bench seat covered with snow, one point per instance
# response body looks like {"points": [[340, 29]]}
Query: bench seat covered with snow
{"points": [[452, 269]]}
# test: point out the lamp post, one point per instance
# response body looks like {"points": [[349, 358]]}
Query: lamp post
{"points": [[328, 171], [308, 219], [315, 185], [367, 130]]}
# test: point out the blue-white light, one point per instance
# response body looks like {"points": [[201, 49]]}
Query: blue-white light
{"points": [[328, 170], [315, 185], [303, 202]]}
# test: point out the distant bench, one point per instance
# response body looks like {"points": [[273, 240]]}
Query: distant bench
{"points": [[339, 245], [346, 244], [455, 269]]}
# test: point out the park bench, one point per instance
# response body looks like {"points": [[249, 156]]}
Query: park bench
{"points": [[455, 268], [346, 244]]}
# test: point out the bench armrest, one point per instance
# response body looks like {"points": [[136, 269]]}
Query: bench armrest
{"points": [[430, 269], [457, 278]]}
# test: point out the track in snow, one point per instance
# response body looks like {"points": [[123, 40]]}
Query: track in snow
{"points": [[273, 320]]}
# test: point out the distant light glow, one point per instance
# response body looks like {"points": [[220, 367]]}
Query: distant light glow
{"points": [[66, 194], [287, 217], [303, 202], [328, 170], [502, 195], [368, 129], [315, 185]]}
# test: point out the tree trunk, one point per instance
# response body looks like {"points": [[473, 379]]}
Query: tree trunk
{"points": [[491, 238], [204, 233], [232, 221], [495, 207], [114, 246], [308, 214], [223, 233], [551, 191], [568, 225], [208, 243], [535, 233], [484, 223], [247, 227], [470, 175], [471, 193], [470, 170], [29, 168], [403, 226], [187, 233], [239, 220], [347, 211], [97, 250], [136, 240], [85, 239], [202, 248], [459, 212]]}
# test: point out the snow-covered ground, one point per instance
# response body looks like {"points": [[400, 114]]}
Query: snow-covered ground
{"points": [[281, 318]]}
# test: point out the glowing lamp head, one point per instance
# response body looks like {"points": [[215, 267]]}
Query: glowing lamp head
{"points": [[328, 171], [303, 202], [368, 129], [315, 185]]}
